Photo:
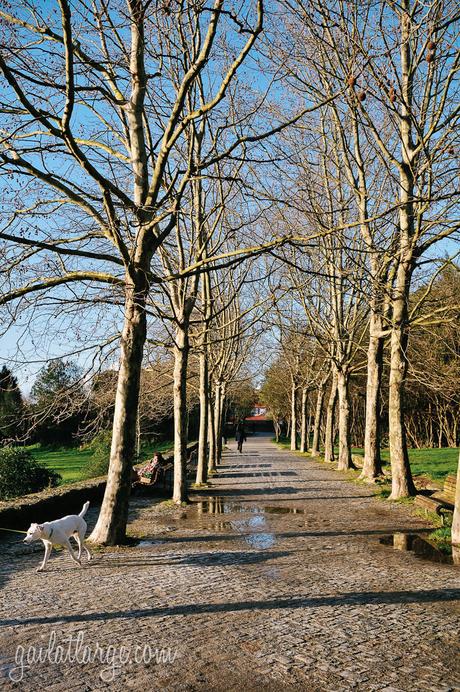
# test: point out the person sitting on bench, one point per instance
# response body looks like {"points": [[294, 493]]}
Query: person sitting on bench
{"points": [[152, 468]]}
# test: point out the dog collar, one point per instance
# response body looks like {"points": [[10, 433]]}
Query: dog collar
{"points": [[51, 532]]}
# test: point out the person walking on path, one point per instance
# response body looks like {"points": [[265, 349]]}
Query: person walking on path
{"points": [[240, 435]]}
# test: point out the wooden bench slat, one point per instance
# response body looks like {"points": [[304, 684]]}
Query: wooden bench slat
{"points": [[445, 498], [428, 502]]}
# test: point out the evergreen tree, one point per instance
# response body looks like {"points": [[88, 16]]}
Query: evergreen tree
{"points": [[58, 398], [11, 404]]}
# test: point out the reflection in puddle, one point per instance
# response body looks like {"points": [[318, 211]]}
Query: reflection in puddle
{"points": [[248, 526], [283, 510], [260, 540], [217, 505], [419, 546], [147, 544]]}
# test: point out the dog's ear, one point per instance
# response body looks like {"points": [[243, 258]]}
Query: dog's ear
{"points": [[40, 526]]}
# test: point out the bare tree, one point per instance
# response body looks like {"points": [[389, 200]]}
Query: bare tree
{"points": [[108, 138], [400, 64]]}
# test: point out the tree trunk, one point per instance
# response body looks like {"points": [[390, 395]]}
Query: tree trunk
{"points": [[402, 483], [329, 433], [309, 427], [293, 415], [344, 459], [181, 352], [372, 467], [202, 470], [211, 438], [304, 425], [318, 416], [456, 519], [110, 528], [218, 408]]}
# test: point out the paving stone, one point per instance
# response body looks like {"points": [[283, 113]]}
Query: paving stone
{"points": [[244, 598]]}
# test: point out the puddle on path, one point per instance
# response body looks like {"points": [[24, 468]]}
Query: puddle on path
{"points": [[260, 540], [148, 544], [283, 510], [419, 546], [249, 525], [218, 505]]}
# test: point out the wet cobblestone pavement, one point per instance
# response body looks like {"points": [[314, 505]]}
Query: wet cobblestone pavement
{"points": [[274, 579]]}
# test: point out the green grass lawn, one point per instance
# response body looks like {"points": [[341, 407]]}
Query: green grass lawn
{"points": [[435, 463], [71, 462], [148, 450]]}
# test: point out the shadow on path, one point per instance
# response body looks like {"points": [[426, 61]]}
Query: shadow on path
{"points": [[345, 599], [283, 534]]}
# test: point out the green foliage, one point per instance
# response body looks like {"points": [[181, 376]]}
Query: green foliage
{"points": [[276, 392], [241, 398], [11, 404], [100, 454], [57, 401], [442, 536], [55, 378], [21, 474]]}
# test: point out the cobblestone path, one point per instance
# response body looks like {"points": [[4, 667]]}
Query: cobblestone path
{"points": [[274, 579]]}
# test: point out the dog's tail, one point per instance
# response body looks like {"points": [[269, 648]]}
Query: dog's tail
{"points": [[85, 509]]}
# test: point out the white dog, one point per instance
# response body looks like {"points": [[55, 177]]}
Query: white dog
{"points": [[58, 533]]}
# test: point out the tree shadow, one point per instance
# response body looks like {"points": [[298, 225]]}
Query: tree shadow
{"points": [[365, 598], [244, 466], [289, 534], [258, 474]]}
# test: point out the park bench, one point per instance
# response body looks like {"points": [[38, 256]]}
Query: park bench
{"points": [[440, 500], [164, 473], [447, 494], [161, 473]]}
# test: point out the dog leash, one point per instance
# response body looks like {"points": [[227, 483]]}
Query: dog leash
{"points": [[12, 530]]}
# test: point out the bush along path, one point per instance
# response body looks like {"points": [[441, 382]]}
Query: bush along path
{"points": [[281, 576]]}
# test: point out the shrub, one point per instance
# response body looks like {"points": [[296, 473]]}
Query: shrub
{"points": [[21, 474], [98, 465]]}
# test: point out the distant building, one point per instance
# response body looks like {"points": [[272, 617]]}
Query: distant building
{"points": [[258, 410], [258, 421]]}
